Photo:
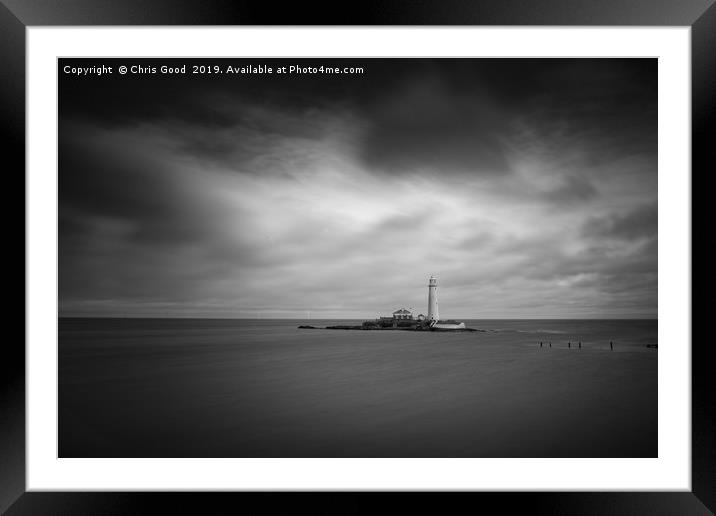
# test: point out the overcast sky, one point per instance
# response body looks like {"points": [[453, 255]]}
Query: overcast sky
{"points": [[527, 186]]}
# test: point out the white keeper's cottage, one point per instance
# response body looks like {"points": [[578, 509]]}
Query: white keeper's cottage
{"points": [[403, 315]]}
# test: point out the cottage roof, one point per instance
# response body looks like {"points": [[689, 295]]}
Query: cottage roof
{"points": [[401, 312]]}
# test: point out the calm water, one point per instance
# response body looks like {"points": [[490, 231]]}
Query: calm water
{"points": [[264, 388]]}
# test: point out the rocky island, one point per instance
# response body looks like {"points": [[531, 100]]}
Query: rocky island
{"points": [[403, 319]]}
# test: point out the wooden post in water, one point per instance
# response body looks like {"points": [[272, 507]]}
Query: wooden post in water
{"points": [[611, 345]]}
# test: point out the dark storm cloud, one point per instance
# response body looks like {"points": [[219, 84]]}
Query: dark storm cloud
{"points": [[102, 181], [591, 262], [639, 223], [572, 189], [522, 182], [425, 125], [415, 114]]}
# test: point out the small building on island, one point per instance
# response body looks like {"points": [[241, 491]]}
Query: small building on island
{"points": [[403, 315]]}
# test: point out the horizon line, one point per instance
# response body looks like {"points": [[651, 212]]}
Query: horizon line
{"points": [[336, 318]]}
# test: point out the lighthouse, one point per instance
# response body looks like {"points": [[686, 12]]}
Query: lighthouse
{"points": [[433, 299]]}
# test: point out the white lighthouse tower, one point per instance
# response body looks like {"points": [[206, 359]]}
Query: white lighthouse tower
{"points": [[433, 299]]}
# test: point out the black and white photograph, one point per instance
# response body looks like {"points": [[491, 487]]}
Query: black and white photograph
{"points": [[357, 257]]}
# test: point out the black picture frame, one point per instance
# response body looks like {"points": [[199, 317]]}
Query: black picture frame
{"points": [[17, 15]]}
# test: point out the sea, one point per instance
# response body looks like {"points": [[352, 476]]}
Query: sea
{"points": [[139, 387]]}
